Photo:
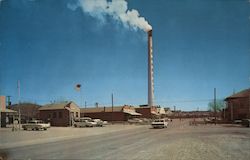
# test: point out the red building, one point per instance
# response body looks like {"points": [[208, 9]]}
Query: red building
{"points": [[238, 105], [147, 112], [59, 114], [118, 113]]}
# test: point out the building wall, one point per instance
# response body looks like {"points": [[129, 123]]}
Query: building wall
{"points": [[107, 116], [75, 110], [146, 112], [2, 108], [3, 119], [58, 117], [237, 108]]}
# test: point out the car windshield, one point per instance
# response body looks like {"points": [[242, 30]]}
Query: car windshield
{"points": [[159, 120], [32, 122]]}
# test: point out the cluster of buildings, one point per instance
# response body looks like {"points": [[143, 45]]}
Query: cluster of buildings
{"points": [[63, 114]]}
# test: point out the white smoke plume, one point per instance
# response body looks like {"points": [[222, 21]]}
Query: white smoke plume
{"points": [[118, 9]]}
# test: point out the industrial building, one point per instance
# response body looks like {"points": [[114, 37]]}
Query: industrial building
{"points": [[238, 106], [59, 114], [116, 113], [148, 112]]}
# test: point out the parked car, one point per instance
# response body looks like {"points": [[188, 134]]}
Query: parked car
{"points": [[238, 121], [105, 122], [85, 118], [83, 122], [36, 125], [135, 121], [99, 122], [159, 123], [246, 122]]}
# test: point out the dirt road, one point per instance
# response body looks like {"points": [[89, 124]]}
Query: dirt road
{"points": [[178, 142]]}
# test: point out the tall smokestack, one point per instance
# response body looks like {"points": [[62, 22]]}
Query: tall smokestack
{"points": [[150, 70]]}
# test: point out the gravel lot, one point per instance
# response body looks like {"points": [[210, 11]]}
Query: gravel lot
{"points": [[179, 141]]}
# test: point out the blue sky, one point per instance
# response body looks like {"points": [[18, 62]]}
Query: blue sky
{"points": [[198, 45]]}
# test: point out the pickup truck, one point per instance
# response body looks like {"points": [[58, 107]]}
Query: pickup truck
{"points": [[36, 125], [159, 123]]}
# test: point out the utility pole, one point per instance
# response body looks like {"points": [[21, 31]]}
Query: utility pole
{"points": [[249, 106], [224, 110], [174, 111], [215, 109], [112, 99], [249, 102], [19, 112]]}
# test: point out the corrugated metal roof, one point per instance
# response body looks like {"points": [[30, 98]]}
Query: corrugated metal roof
{"points": [[153, 112], [243, 93], [133, 113], [55, 106], [102, 109], [130, 110]]}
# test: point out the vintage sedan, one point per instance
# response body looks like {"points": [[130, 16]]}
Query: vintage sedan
{"points": [[36, 125]]}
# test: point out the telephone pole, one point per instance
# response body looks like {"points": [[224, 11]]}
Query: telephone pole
{"points": [[19, 112], [112, 99], [215, 109]]}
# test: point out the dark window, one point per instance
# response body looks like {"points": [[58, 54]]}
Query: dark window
{"points": [[54, 115], [76, 114], [49, 115], [60, 114]]}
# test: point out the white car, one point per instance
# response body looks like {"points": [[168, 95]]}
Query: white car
{"points": [[83, 122], [105, 122], [36, 125], [99, 122], [135, 121], [159, 123]]}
